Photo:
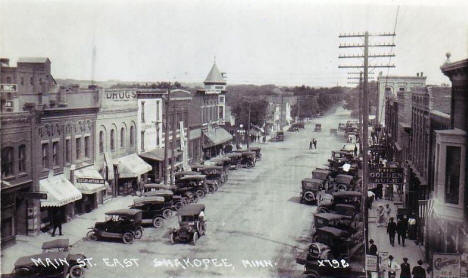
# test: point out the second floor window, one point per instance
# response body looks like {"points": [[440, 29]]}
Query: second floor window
{"points": [[67, 151], [112, 140], [86, 146], [45, 155], [132, 136], [101, 141], [7, 161], [142, 141], [452, 174], [122, 137], [78, 148], [142, 111], [22, 158], [55, 153]]}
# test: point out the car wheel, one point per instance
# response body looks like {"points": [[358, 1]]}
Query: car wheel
{"points": [[195, 238], [309, 196], [138, 232], [127, 238], [211, 189], [167, 213], [178, 205], [322, 210], [91, 235], [215, 187], [158, 222], [76, 271], [342, 187], [195, 199], [200, 193], [171, 238]]}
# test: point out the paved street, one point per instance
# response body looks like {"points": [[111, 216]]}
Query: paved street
{"points": [[255, 216]]}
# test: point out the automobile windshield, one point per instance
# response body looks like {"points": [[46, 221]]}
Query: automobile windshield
{"points": [[187, 218]]}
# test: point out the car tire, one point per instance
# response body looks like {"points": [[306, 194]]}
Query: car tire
{"points": [[195, 199], [171, 238], [167, 213], [322, 210], [178, 205], [200, 193], [342, 187], [309, 196], [91, 235], [76, 271], [195, 238], [158, 222], [128, 238], [138, 233]]}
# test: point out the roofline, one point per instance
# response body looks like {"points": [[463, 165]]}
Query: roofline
{"points": [[401, 77], [447, 67]]}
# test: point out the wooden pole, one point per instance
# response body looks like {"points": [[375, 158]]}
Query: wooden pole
{"points": [[166, 133], [365, 141]]}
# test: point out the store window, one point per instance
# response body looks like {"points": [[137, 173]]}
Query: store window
{"points": [[7, 161], [45, 156], [452, 174], [55, 160], [22, 158]]}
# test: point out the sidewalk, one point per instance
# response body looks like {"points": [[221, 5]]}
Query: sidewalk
{"points": [[379, 234], [74, 230]]}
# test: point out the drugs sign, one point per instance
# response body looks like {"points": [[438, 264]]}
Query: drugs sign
{"points": [[386, 175], [446, 265]]}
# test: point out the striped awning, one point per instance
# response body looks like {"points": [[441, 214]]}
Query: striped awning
{"points": [[132, 166], [60, 191], [89, 181]]}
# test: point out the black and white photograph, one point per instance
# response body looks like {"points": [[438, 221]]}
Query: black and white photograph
{"points": [[220, 138]]}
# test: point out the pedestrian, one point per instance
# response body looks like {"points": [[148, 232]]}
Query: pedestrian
{"points": [[405, 269], [379, 191], [419, 271], [134, 187], [372, 248], [388, 211], [315, 143], [57, 220], [392, 267], [391, 230], [310, 145], [264, 139], [401, 230], [355, 150], [381, 216]]}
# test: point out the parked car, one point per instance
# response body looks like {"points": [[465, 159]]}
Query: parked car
{"points": [[310, 190], [257, 150], [235, 160], [51, 250], [216, 174], [248, 159], [195, 182], [318, 127], [185, 193], [154, 210], [278, 137], [192, 224], [293, 128], [124, 224], [175, 202], [323, 175], [343, 182], [340, 221]]}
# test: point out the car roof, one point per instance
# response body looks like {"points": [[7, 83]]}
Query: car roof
{"points": [[347, 193], [159, 186], [344, 178], [311, 180], [161, 192], [27, 261], [149, 199], [208, 167], [233, 154], [344, 206], [255, 148], [248, 152], [193, 177], [329, 216], [123, 212], [186, 173], [191, 209], [332, 230], [57, 243]]}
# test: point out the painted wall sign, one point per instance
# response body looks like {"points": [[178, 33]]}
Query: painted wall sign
{"points": [[446, 265]]}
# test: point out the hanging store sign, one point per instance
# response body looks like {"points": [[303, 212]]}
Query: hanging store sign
{"points": [[446, 265], [371, 263], [386, 175], [35, 195], [90, 180]]}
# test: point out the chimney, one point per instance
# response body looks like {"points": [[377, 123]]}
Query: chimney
{"points": [[417, 74], [422, 74]]}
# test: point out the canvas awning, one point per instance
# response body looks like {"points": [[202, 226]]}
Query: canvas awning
{"points": [[216, 136], [60, 191], [89, 181], [158, 154], [195, 133], [131, 166]]}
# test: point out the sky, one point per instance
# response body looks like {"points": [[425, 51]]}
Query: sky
{"points": [[290, 43]]}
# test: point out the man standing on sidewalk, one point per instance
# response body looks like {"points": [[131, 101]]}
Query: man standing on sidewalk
{"points": [[419, 271], [392, 267], [372, 248], [391, 230], [401, 230]]}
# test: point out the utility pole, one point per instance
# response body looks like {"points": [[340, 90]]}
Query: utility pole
{"points": [[365, 107], [248, 129], [166, 133], [173, 138]]}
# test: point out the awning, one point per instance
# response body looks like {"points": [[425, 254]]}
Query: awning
{"points": [[60, 191], [131, 166], [216, 136], [158, 154], [89, 181], [195, 133]]}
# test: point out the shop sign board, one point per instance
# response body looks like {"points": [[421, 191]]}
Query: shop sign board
{"points": [[446, 265], [386, 175]]}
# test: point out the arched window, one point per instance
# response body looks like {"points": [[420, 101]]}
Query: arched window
{"points": [[122, 137], [7, 161], [22, 158], [101, 141], [132, 134], [112, 140]]}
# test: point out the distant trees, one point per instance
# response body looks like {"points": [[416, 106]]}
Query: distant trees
{"points": [[311, 101], [154, 85], [352, 99], [258, 111]]}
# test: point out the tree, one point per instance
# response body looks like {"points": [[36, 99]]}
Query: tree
{"points": [[258, 111]]}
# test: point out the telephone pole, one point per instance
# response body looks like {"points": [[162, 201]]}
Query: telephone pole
{"points": [[365, 105], [166, 133], [248, 129]]}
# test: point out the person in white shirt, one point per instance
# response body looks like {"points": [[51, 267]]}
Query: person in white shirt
{"points": [[392, 267]]}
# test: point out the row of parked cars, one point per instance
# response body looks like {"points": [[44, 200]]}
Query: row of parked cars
{"points": [[337, 227], [157, 203]]}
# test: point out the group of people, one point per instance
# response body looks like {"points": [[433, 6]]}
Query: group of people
{"points": [[392, 266], [313, 143]]}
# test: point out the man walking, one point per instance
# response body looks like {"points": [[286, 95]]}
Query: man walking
{"points": [[392, 267], [391, 230], [419, 271], [57, 222], [372, 248], [310, 145], [315, 143], [405, 269], [401, 230]]}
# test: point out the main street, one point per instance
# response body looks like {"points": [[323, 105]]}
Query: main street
{"points": [[255, 216]]}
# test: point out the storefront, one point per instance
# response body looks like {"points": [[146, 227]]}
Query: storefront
{"points": [[130, 169], [91, 185], [214, 141], [61, 195], [156, 159]]}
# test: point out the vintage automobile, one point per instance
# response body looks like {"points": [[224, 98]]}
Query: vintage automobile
{"points": [[224, 162], [154, 210], [318, 127], [216, 174], [55, 251], [192, 224], [194, 182], [310, 190], [185, 193], [248, 159], [257, 150], [235, 160], [323, 175], [341, 126], [124, 224], [278, 137], [348, 197], [340, 221], [178, 175], [293, 128], [339, 204], [343, 182], [175, 202], [339, 241]]}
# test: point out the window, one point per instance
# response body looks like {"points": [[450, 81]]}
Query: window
{"points": [[221, 99], [132, 134], [55, 153], [8, 80], [78, 148], [142, 111], [101, 141], [86, 146], [122, 137], [22, 158], [31, 81], [452, 174], [112, 140], [67, 150], [142, 141], [22, 80], [45, 155], [7, 161], [221, 113], [402, 89]]}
